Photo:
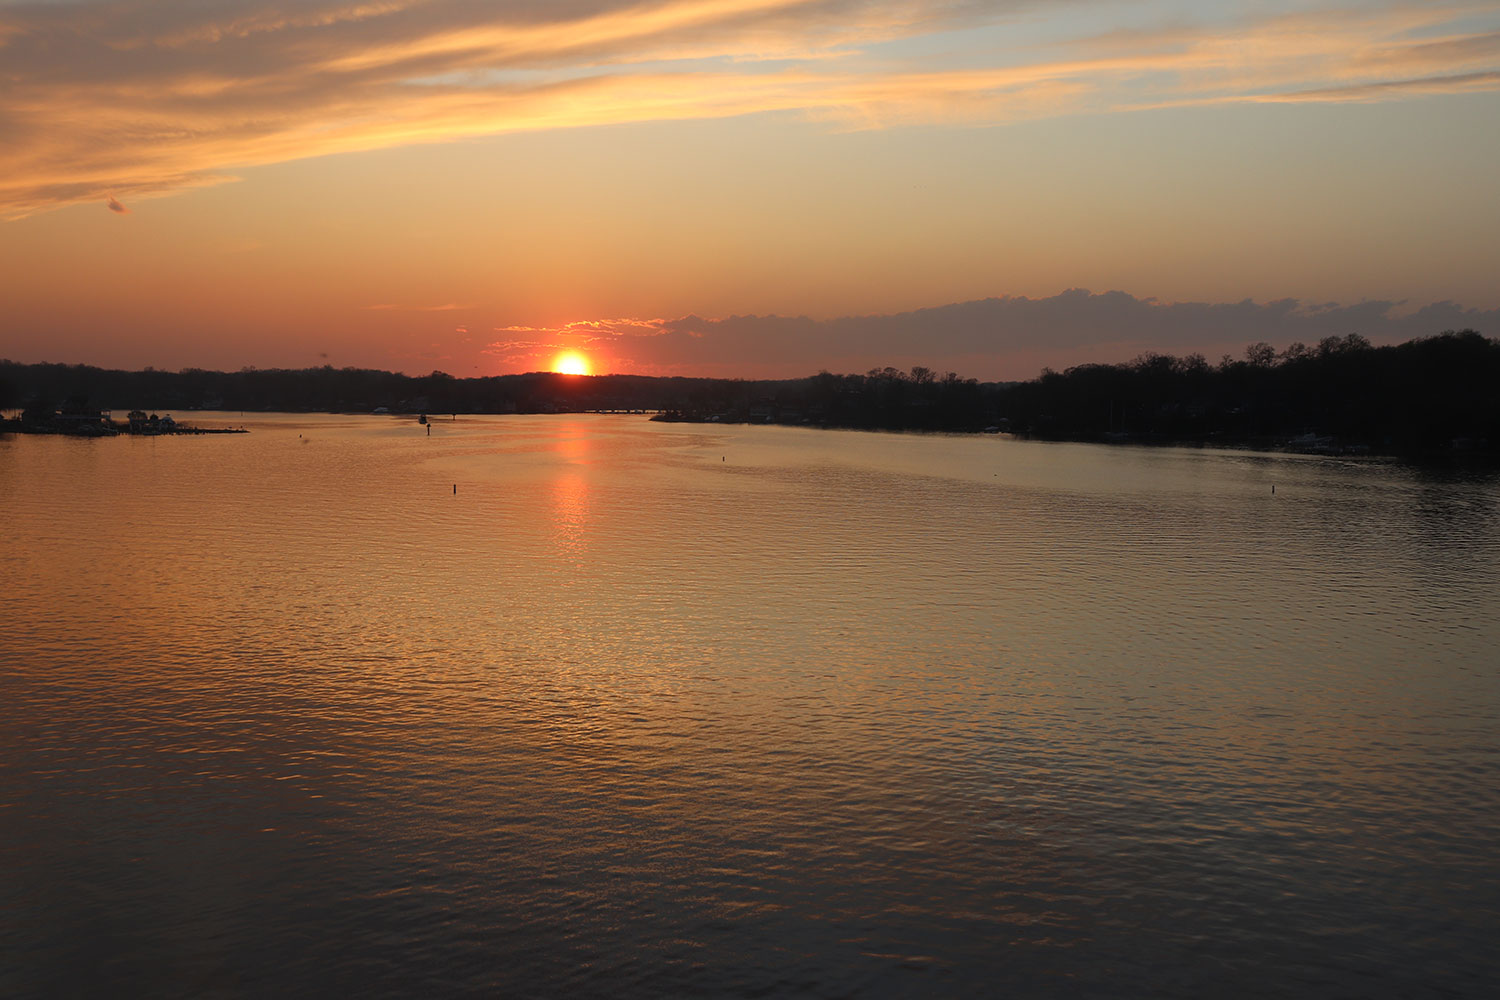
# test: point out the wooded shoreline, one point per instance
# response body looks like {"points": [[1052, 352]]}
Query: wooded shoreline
{"points": [[1432, 396]]}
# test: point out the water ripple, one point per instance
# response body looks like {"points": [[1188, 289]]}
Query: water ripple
{"points": [[645, 710]]}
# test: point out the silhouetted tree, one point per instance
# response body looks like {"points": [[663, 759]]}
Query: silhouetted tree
{"points": [[1430, 394], [1260, 354]]}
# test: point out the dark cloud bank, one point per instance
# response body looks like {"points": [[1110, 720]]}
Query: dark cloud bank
{"points": [[1013, 337]]}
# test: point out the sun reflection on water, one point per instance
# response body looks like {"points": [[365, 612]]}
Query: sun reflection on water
{"points": [[570, 491]]}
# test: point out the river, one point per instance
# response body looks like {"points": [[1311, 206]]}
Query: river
{"points": [[594, 706]]}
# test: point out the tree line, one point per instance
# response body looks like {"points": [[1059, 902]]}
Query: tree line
{"points": [[1431, 394]]}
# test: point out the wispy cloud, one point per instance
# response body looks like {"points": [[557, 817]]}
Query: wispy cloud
{"points": [[396, 307], [1464, 83], [116, 96], [116, 207]]}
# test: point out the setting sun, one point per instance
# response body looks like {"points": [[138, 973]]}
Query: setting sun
{"points": [[570, 363]]}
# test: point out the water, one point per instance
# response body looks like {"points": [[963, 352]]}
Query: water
{"points": [[650, 709]]}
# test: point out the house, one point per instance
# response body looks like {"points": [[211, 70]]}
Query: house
{"points": [[78, 417]]}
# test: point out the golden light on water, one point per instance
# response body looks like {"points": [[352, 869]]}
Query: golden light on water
{"points": [[571, 363]]}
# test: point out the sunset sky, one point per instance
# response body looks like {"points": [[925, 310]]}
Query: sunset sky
{"points": [[739, 187]]}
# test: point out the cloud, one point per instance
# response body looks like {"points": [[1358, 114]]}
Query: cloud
{"points": [[116, 207], [1008, 337], [1465, 83], [393, 307], [142, 99]]}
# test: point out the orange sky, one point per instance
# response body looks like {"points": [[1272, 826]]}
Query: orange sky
{"points": [[738, 186]]}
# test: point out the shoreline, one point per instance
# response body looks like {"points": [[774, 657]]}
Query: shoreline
{"points": [[108, 430], [1460, 452], [1308, 445]]}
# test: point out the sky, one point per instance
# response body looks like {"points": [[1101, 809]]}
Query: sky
{"points": [[757, 188]]}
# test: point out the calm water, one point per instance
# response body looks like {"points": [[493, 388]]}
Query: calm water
{"points": [[661, 710]]}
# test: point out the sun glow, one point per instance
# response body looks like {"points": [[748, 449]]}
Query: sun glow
{"points": [[570, 363]]}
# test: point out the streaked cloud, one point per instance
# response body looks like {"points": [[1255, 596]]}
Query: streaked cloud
{"points": [[1464, 83], [396, 307], [116, 207], [116, 96]]}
